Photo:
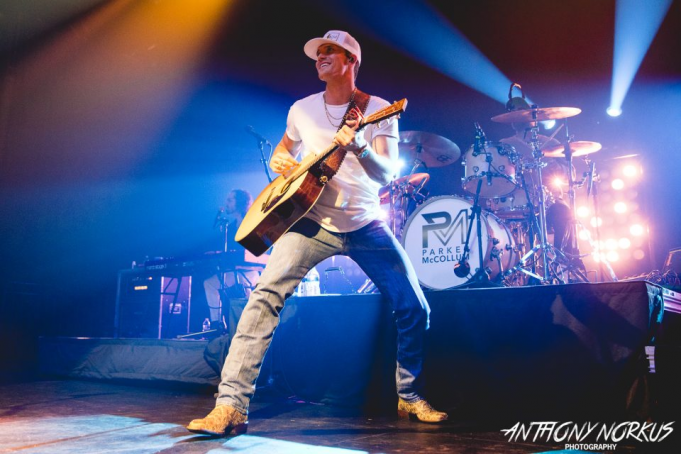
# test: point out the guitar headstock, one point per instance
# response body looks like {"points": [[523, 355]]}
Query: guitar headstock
{"points": [[395, 108]]}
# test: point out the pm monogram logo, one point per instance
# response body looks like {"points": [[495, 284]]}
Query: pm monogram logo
{"points": [[445, 230]]}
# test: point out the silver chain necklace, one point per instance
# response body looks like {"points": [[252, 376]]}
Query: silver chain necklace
{"points": [[328, 114]]}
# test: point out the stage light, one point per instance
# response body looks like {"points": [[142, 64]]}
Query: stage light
{"points": [[630, 170], [639, 254], [612, 256], [636, 24], [548, 124], [636, 230], [617, 184], [400, 164], [583, 212], [558, 182], [584, 234], [596, 222], [611, 244], [596, 256], [620, 207], [624, 243], [417, 29], [614, 111]]}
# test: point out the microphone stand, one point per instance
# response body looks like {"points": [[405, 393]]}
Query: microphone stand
{"points": [[265, 161], [261, 141], [481, 277]]}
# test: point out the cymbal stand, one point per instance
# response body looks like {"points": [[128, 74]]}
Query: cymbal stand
{"points": [[574, 263], [543, 248]]}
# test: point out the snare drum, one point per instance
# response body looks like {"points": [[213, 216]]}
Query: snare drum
{"points": [[494, 164], [435, 236]]}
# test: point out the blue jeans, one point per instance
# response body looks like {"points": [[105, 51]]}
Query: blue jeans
{"points": [[382, 258]]}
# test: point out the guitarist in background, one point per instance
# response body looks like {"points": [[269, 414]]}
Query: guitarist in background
{"points": [[345, 220]]}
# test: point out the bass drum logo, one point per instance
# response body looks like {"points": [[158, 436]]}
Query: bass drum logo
{"points": [[435, 236]]}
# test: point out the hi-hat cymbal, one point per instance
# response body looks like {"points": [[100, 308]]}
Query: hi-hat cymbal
{"points": [[579, 148], [539, 114], [427, 148], [406, 184]]}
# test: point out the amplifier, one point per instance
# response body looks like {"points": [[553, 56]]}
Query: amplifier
{"points": [[152, 306]]}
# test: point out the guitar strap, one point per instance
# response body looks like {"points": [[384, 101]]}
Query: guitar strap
{"points": [[332, 163]]}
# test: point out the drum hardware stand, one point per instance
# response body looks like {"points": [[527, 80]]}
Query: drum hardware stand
{"points": [[574, 265], [396, 191], [463, 268], [543, 248], [392, 194], [391, 210], [592, 190]]}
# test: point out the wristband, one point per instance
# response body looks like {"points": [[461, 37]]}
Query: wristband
{"points": [[362, 152]]}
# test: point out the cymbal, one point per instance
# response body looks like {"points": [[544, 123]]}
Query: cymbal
{"points": [[579, 148], [542, 114], [407, 182], [427, 148]]}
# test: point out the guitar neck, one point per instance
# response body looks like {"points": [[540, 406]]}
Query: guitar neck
{"points": [[303, 168]]}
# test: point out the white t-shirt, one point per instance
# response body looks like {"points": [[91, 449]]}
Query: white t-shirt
{"points": [[350, 199]]}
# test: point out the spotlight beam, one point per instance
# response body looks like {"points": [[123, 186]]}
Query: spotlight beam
{"points": [[636, 24], [419, 31]]}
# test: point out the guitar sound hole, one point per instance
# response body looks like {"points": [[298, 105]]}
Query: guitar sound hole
{"points": [[286, 210]]}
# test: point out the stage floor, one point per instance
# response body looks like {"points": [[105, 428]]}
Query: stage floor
{"points": [[69, 416]]}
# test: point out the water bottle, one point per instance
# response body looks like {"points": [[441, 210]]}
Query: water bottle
{"points": [[206, 325], [312, 284]]}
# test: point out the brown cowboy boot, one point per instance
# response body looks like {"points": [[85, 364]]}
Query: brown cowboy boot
{"points": [[221, 421], [420, 410]]}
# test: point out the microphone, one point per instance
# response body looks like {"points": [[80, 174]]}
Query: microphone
{"points": [[254, 133], [218, 218], [462, 269]]}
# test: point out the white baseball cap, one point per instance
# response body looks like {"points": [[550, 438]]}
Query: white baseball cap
{"points": [[337, 37]]}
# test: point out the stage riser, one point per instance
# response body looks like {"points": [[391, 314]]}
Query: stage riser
{"points": [[534, 352]]}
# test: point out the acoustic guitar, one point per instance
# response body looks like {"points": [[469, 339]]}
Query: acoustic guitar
{"points": [[289, 197]]}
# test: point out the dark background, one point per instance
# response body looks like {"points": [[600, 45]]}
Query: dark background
{"points": [[122, 123]]}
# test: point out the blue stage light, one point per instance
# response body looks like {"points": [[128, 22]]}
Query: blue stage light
{"points": [[636, 24], [416, 29], [614, 111]]}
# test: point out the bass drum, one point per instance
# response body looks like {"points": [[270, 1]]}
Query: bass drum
{"points": [[434, 239]]}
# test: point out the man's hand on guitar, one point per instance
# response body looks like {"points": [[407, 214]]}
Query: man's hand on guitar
{"points": [[282, 163], [348, 137]]}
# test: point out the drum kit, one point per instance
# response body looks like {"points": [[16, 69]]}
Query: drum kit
{"points": [[495, 235]]}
